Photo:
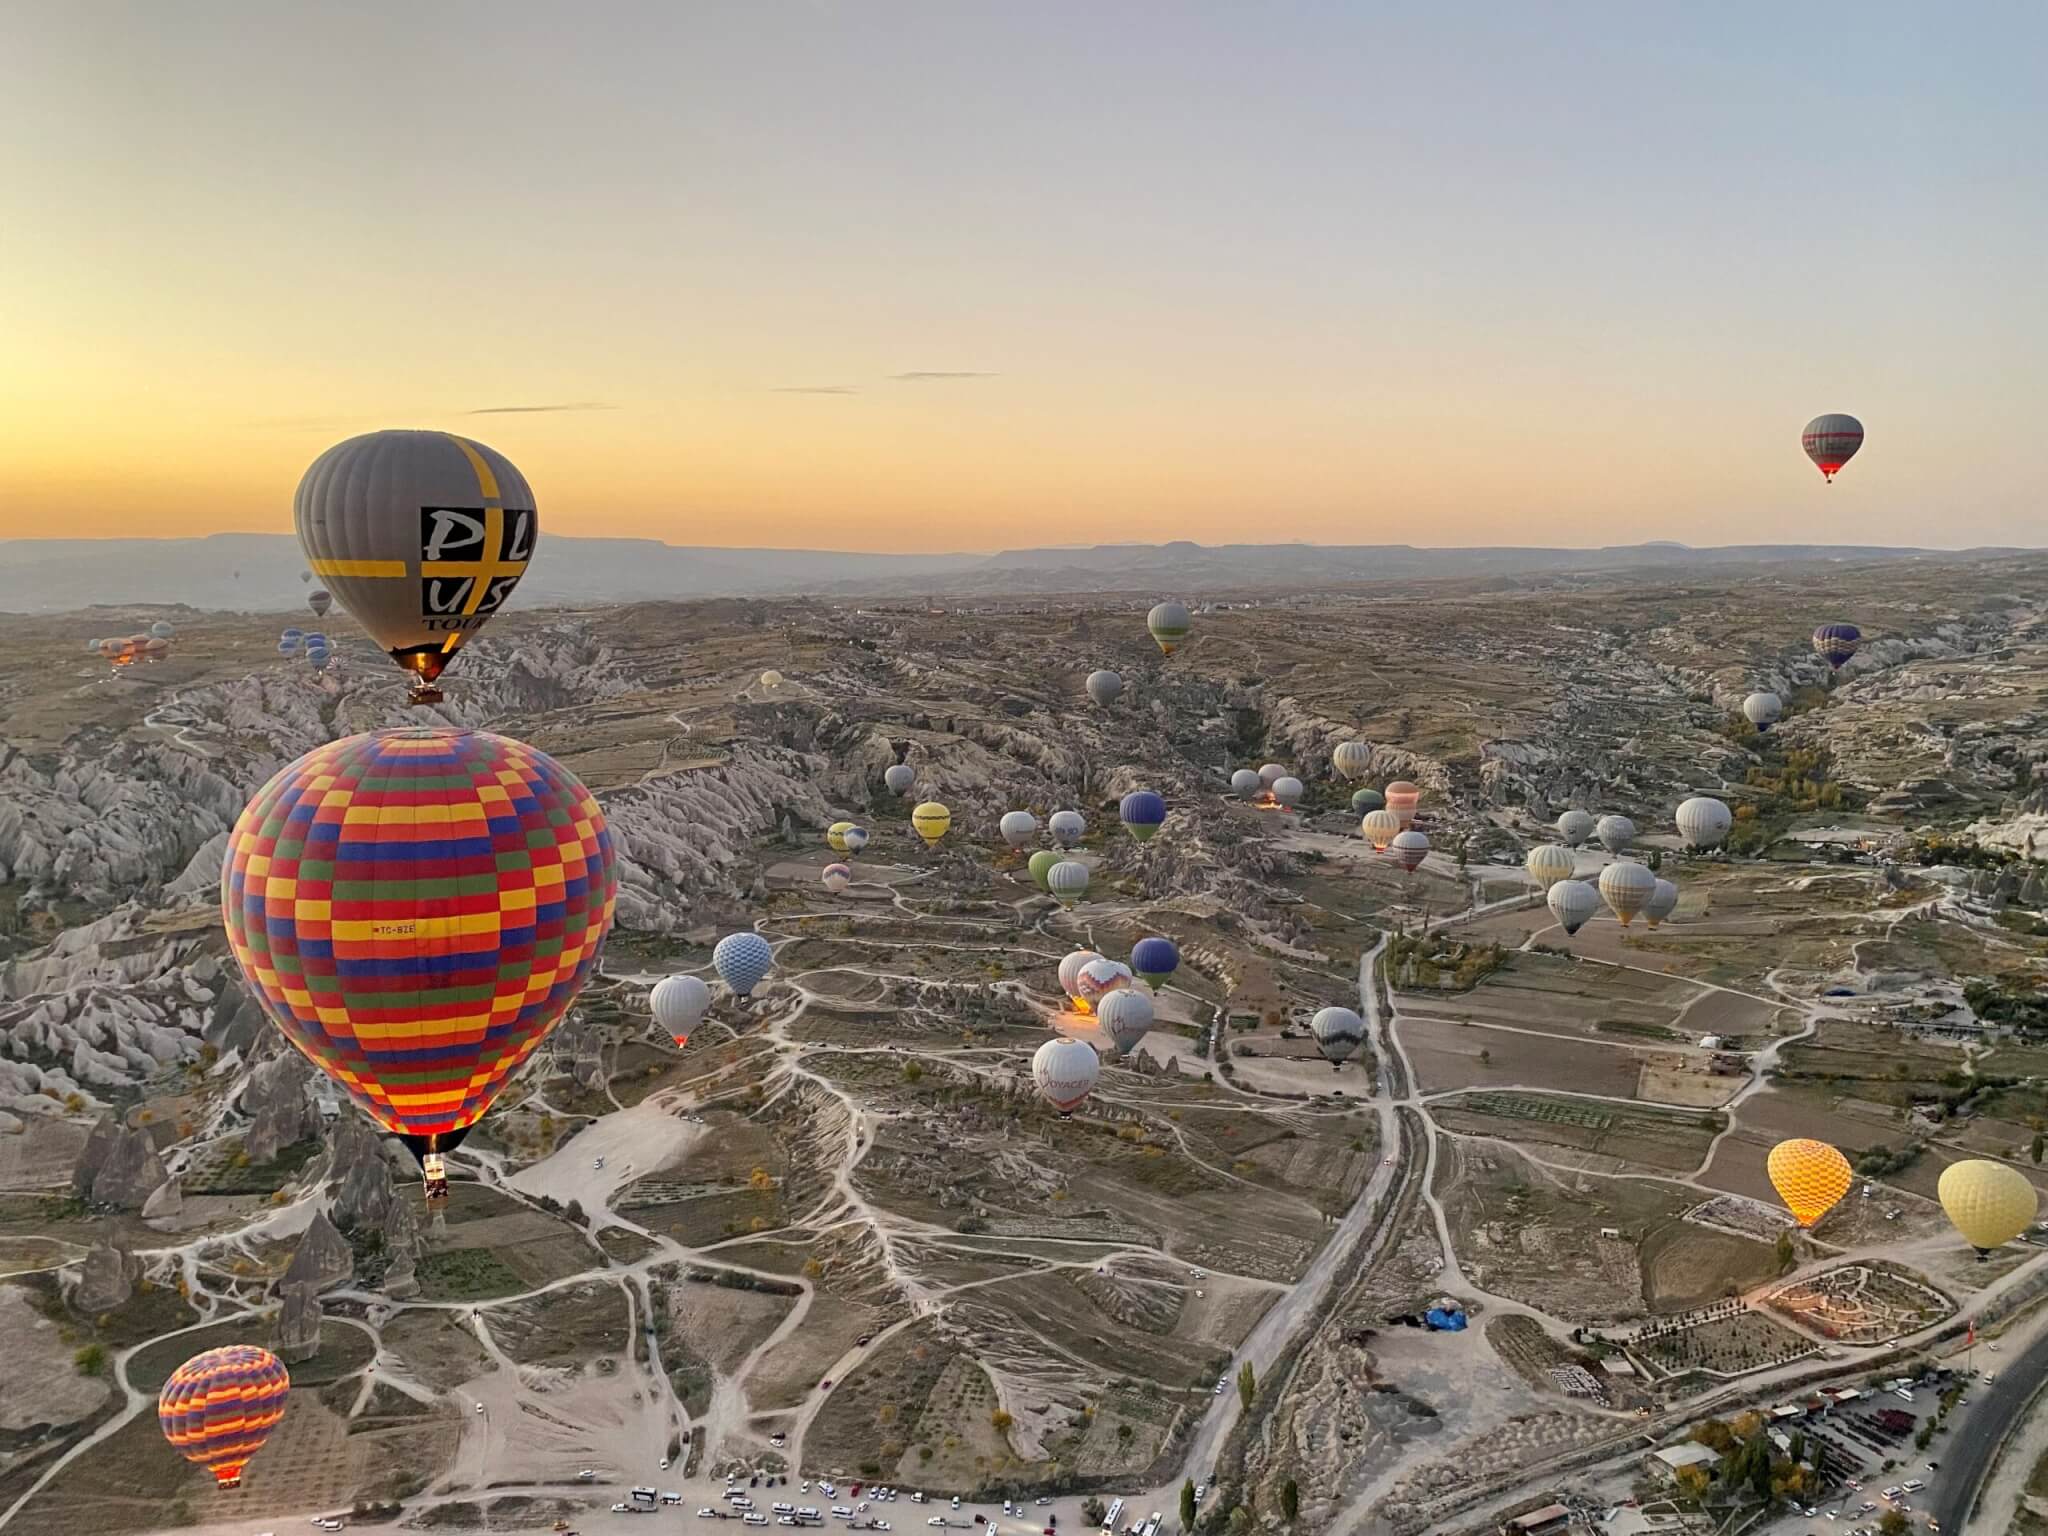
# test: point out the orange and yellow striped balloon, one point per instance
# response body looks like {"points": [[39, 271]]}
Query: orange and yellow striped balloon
{"points": [[218, 1408], [1810, 1177]]}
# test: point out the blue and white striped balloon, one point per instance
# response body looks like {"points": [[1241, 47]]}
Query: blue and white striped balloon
{"points": [[741, 960]]}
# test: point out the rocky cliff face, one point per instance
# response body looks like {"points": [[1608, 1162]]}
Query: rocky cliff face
{"points": [[323, 1257], [299, 1317], [106, 1280], [119, 1167], [277, 1100], [358, 1176]]}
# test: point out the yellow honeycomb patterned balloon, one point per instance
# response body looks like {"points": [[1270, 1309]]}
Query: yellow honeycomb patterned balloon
{"points": [[1809, 1176]]}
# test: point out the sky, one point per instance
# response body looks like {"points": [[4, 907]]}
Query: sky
{"points": [[936, 276]]}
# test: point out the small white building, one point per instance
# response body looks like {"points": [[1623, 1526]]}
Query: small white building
{"points": [[1673, 1459], [1710, 1042]]}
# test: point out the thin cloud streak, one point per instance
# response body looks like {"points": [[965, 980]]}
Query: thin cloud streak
{"points": [[939, 375], [813, 389], [530, 410]]}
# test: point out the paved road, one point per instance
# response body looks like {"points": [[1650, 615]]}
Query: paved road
{"points": [[1980, 1429]]}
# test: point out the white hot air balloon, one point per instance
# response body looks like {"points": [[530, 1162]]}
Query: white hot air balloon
{"points": [[1703, 822], [1615, 832], [1018, 827], [1099, 978], [1352, 759], [1574, 827], [1408, 849], [836, 878], [1549, 863], [1070, 968], [899, 777], [1104, 686], [678, 1004], [1271, 774], [855, 839], [1379, 828], [1626, 887], [1067, 827], [1572, 903], [1244, 783], [1065, 1070], [1338, 1032], [1125, 1016], [1662, 903], [1288, 790], [1068, 881], [1763, 710]]}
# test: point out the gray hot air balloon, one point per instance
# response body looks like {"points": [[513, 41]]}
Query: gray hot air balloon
{"points": [[1169, 623], [1763, 710], [1574, 827], [1288, 790], [1615, 833], [421, 536], [1271, 774], [1018, 827], [1067, 827], [1104, 685], [1626, 888], [899, 777], [1245, 783], [1125, 1016], [319, 600], [1662, 903], [1068, 881], [1338, 1033], [1572, 902], [1703, 822], [1352, 759]]}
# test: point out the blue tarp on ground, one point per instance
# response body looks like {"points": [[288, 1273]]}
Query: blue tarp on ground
{"points": [[1444, 1322]]}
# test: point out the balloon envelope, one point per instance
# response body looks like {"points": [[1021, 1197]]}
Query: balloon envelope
{"points": [[1271, 774], [1379, 828], [1571, 902], [319, 600], [1989, 1203], [1155, 959], [1070, 968], [742, 961], [1288, 790], [1574, 827], [1126, 1016], [1809, 1176], [930, 821], [1548, 863], [1067, 827], [1141, 812], [1338, 1032], [1040, 867], [219, 1407], [421, 536], [1615, 832], [1068, 880], [1098, 978], [1352, 759], [1831, 441], [1169, 624], [415, 910], [1703, 822], [836, 878], [1626, 888], [1065, 1071], [1245, 783], [1018, 827], [1836, 643], [163, 629], [1104, 686], [855, 838], [679, 1004], [1662, 903], [1408, 849], [771, 679], [1363, 800], [899, 777], [835, 836], [1763, 710]]}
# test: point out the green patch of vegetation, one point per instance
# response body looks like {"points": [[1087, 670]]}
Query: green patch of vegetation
{"points": [[465, 1274], [1635, 1027]]}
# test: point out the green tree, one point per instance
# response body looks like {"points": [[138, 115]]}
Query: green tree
{"points": [[1187, 1505], [1786, 1258], [1093, 1510], [1247, 1386], [1893, 1523], [2040, 1144], [91, 1360], [1290, 1500]]}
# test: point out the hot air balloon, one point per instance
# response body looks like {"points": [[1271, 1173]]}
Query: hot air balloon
{"points": [[1097, 979], [1070, 968], [316, 639], [1989, 1203], [1126, 1017], [1379, 828], [93, 646], [1662, 903], [1762, 710], [1548, 863], [1703, 822], [836, 878], [288, 648], [1068, 881], [1836, 643], [1831, 441], [899, 777], [855, 837], [679, 1004], [1104, 686], [835, 836], [319, 600], [1288, 790], [421, 536], [318, 656], [1040, 867], [1810, 1177], [1363, 800], [1169, 623], [1155, 959], [121, 651], [304, 577], [1271, 774], [218, 1408], [930, 821], [154, 647], [1141, 812], [291, 641], [1572, 902], [163, 629], [1352, 759], [742, 961], [415, 910], [1402, 800], [1018, 827], [1067, 827], [771, 679], [1338, 1033], [1408, 849], [1574, 827], [1065, 1070], [1615, 832], [1626, 887], [1245, 783]]}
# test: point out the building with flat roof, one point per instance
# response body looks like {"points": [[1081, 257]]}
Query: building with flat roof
{"points": [[1672, 1459]]}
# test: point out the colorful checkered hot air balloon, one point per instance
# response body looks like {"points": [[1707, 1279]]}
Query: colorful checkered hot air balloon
{"points": [[1810, 1177], [218, 1408], [416, 909]]}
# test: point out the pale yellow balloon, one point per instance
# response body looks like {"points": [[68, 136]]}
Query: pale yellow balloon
{"points": [[930, 821], [1989, 1203], [835, 836], [1547, 864], [1810, 1177]]}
